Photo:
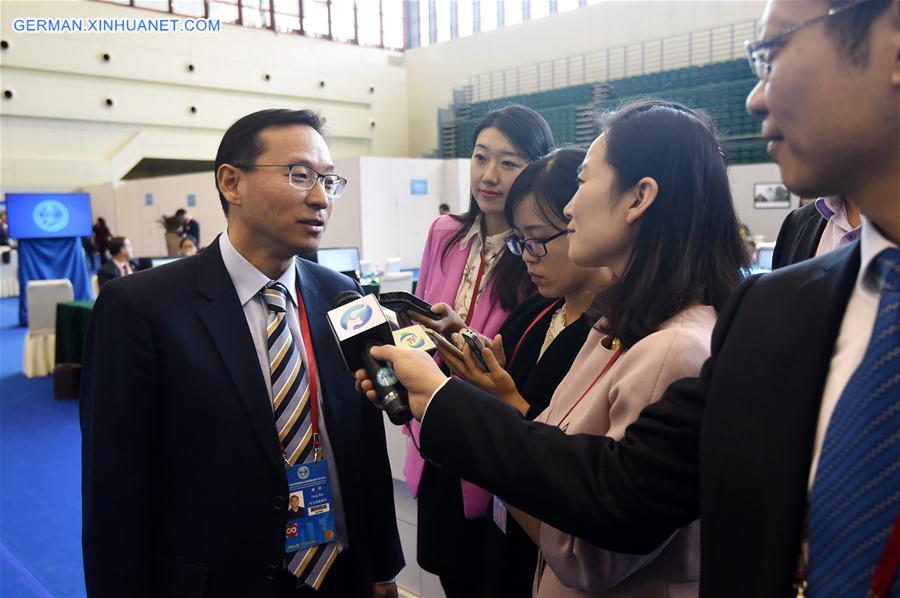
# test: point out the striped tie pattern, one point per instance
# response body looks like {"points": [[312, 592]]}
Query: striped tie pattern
{"points": [[856, 492], [293, 418]]}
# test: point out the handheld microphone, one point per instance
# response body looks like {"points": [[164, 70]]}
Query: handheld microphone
{"points": [[358, 325]]}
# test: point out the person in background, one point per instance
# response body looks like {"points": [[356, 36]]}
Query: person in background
{"points": [[824, 225], [472, 279], [443, 209], [121, 261], [187, 246], [786, 446], [189, 226], [101, 239], [539, 340], [4, 229]]}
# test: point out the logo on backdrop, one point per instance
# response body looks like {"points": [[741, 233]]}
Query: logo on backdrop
{"points": [[51, 215], [356, 317], [412, 340]]}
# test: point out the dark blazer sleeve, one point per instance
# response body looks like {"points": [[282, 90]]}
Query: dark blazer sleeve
{"points": [[798, 237], [626, 496], [119, 386], [106, 273]]}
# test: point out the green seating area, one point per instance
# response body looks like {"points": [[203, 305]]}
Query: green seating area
{"points": [[720, 89]]}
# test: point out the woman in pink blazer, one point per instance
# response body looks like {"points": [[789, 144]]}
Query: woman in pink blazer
{"points": [[469, 275]]}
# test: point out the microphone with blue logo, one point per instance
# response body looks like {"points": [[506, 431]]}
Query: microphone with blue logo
{"points": [[358, 325]]}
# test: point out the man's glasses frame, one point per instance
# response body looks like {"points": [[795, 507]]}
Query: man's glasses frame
{"points": [[536, 247], [334, 181], [757, 52]]}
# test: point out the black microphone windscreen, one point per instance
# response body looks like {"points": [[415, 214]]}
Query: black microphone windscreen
{"points": [[345, 297]]}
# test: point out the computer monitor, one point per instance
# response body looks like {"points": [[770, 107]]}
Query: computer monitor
{"points": [[340, 259], [151, 262], [764, 257]]}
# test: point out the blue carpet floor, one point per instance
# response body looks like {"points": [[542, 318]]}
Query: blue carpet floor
{"points": [[40, 478]]}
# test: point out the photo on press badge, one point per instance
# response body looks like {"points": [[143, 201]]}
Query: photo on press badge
{"points": [[296, 506]]}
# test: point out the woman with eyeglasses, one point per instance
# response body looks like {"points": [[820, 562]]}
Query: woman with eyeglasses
{"points": [[653, 205], [540, 339], [473, 280]]}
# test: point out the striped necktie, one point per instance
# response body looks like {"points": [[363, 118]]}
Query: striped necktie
{"points": [[293, 419], [856, 492]]}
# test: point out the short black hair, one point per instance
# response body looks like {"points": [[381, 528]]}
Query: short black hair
{"points": [[241, 143], [190, 238], [688, 249], [115, 245], [180, 212], [852, 27]]}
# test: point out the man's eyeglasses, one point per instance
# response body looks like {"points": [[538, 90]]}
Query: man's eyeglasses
{"points": [[536, 247], [304, 177], [758, 52]]}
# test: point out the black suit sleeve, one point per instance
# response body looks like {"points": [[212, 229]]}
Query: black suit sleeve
{"points": [[104, 275], [785, 235], [626, 496], [119, 387]]}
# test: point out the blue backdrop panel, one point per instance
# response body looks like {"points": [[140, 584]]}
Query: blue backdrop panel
{"points": [[43, 259]]}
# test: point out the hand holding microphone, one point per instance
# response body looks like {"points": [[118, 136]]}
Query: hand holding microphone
{"points": [[359, 325], [416, 370]]}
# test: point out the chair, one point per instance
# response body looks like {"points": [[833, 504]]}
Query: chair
{"points": [[392, 264], [9, 273], [39, 352], [396, 281]]}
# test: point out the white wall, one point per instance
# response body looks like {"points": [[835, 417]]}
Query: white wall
{"points": [[59, 135], [124, 207], [764, 222], [434, 71], [379, 214]]}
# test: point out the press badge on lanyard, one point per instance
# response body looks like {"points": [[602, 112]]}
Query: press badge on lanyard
{"points": [[310, 482]]}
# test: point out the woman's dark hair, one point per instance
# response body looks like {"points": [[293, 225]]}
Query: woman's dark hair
{"points": [[550, 183], [241, 143], [101, 221], [530, 135], [688, 250]]}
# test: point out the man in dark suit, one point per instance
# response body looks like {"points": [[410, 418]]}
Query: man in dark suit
{"points": [[815, 229], [801, 385], [121, 263], [183, 402]]}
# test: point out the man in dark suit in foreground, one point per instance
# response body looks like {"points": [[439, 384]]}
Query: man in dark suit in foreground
{"points": [[200, 382], [786, 447]]}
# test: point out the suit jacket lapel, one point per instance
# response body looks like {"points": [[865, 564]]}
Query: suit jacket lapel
{"points": [[815, 322], [224, 319]]}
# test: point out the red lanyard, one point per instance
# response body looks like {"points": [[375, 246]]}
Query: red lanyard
{"points": [[527, 330], [471, 311], [311, 369], [887, 564], [609, 364]]}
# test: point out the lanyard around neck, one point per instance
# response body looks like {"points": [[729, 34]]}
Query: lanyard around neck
{"points": [[527, 330]]}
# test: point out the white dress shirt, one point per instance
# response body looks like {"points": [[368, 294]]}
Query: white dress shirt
{"points": [[248, 282]]}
